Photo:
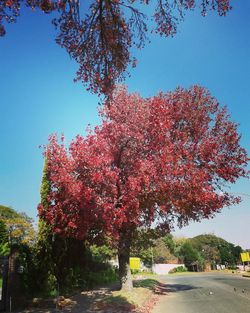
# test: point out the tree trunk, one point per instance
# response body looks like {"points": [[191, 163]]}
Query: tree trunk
{"points": [[123, 259]]}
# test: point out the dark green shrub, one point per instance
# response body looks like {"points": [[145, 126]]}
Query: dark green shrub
{"points": [[181, 269], [103, 277], [178, 269], [232, 267]]}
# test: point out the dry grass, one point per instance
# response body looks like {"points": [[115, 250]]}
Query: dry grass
{"points": [[137, 297]]}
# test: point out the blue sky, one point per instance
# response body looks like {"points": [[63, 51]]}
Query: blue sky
{"points": [[38, 97]]}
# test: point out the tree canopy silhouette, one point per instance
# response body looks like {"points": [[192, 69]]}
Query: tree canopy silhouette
{"points": [[99, 34]]}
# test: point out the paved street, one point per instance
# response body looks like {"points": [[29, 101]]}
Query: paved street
{"points": [[205, 293]]}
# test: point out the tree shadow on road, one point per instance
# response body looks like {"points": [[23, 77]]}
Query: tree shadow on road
{"points": [[164, 289], [161, 288]]}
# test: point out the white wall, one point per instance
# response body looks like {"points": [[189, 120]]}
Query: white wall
{"points": [[163, 269]]}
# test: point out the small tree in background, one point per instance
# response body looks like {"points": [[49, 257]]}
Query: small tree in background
{"points": [[170, 243], [7, 213], [191, 257], [19, 226], [236, 251], [20, 231], [150, 161], [162, 253]]}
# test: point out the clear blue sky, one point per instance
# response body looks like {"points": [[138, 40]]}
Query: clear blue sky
{"points": [[38, 97]]}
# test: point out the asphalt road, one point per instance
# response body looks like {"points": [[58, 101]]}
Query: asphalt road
{"points": [[204, 293]]}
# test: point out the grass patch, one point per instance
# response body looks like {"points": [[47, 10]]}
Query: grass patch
{"points": [[144, 274], [147, 283], [133, 299]]}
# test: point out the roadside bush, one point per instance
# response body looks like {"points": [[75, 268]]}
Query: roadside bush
{"points": [[181, 269], [93, 279], [178, 269], [101, 254], [232, 267]]}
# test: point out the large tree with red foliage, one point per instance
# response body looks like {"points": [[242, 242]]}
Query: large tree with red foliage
{"points": [[150, 162], [99, 35]]}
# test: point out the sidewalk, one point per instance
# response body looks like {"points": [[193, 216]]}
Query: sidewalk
{"points": [[83, 302], [107, 299]]}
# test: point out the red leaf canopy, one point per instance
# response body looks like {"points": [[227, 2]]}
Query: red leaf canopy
{"points": [[151, 161]]}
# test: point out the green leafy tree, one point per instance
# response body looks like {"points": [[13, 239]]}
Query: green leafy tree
{"points": [[4, 244], [7, 213], [3, 233], [226, 255], [45, 235], [57, 257], [179, 242], [102, 253], [217, 250], [170, 243], [45, 248], [237, 250], [20, 231], [190, 255], [19, 226]]}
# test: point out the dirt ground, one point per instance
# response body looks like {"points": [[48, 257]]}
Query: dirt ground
{"points": [[95, 301]]}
